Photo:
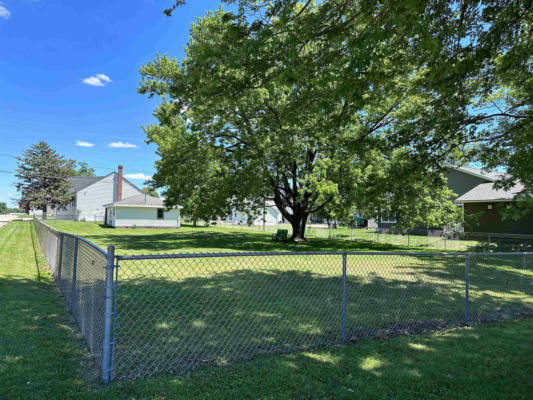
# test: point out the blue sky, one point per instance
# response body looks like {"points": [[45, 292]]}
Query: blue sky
{"points": [[69, 72]]}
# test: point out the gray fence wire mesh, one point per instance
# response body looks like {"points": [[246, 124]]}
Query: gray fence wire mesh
{"points": [[177, 312], [78, 267]]}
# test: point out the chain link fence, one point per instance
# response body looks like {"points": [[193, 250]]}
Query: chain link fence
{"points": [[465, 241], [171, 313], [79, 268]]}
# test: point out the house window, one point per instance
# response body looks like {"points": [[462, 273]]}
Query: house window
{"points": [[160, 213], [387, 219]]}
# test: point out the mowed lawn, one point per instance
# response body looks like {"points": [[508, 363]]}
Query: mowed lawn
{"points": [[43, 357], [204, 239], [179, 314]]}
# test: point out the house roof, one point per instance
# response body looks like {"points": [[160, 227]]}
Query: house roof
{"points": [[491, 176], [81, 182], [140, 200], [487, 192]]}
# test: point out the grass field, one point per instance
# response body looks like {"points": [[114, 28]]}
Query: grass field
{"points": [[178, 314], [229, 236], [42, 356], [204, 239]]}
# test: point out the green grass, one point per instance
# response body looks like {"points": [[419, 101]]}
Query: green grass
{"points": [[420, 242], [207, 239], [42, 357], [214, 311]]}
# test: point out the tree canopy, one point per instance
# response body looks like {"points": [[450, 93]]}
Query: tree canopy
{"points": [[42, 178], [80, 168], [326, 104]]}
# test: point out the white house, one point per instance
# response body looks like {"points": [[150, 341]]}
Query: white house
{"points": [[141, 211], [271, 214], [91, 193]]}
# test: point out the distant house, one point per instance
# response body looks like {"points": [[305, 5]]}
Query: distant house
{"points": [[475, 192], [141, 211], [485, 203], [91, 193], [270, 212]]}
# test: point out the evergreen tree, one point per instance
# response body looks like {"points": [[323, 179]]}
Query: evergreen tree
{"points": [[42, 178]]}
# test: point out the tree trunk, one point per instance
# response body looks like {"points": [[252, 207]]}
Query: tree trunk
{"points": [[298, 224], [44, 212]]}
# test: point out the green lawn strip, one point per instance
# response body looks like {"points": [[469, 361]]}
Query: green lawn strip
{"points": [[41, 353]]}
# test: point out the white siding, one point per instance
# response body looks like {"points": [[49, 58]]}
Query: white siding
{"points": [[128, 190], [90, 201], [272, 217], [131, 217]]}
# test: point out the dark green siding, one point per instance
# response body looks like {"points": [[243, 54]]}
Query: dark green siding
{"points": [[491, 221], [461, 182]]}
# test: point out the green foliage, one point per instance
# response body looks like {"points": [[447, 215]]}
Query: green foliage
{"points": [[3, 208], [80, 168], [298, 112], [42, 178], [189, 173], [151, 191]]}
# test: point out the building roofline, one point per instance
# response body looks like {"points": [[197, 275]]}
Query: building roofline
{"points": [[477, 175], [137, 206], [485, 201], [105, 176]]}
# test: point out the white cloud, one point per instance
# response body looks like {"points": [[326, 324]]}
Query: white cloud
{"points": [[139, 176], [103, 77], [97, 80], [84, 144], [4, 12], [122, 145]]}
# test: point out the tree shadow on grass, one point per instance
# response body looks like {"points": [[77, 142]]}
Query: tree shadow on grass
{"points": [[456, 364], [175, 242], [171, 320]]}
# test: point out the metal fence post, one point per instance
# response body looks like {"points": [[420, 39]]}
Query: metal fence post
{"points": [[74, 275], [60, 257], [108, 316], [343, 323], [467, 286]]}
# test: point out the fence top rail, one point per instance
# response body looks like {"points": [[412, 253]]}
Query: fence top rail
{"points": [[499, 235], [72, 235], [314, 253]]}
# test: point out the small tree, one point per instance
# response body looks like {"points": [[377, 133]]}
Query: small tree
{"points": [[150, 191], [80, 168], [3, 208], [42, 178]]}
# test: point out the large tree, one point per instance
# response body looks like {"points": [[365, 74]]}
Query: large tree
{"points": [[303, 114], [475, 59], [42, 178]]}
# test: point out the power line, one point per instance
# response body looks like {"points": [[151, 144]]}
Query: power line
{"points": [[90, 166], [55, 176]]}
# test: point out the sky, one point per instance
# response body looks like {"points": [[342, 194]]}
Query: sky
{"points": [[69, 72]]}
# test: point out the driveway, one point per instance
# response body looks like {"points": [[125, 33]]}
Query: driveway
{"points": [[4, 219]]}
